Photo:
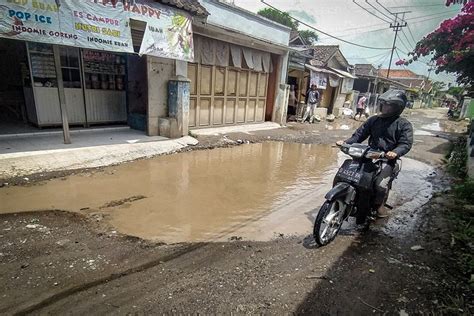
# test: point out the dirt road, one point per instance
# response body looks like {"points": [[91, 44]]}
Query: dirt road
{"points": [[58, 262]]}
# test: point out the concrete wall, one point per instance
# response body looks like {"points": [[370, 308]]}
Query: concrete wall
{"points": [[280, 108], [340, 99], [159, 71], [244, 22]]}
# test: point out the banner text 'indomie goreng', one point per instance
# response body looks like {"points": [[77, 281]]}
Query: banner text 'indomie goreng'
{"points": [[98, 24]]}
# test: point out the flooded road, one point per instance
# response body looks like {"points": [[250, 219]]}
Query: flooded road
{"points": [[193, 196], [252, 191]]}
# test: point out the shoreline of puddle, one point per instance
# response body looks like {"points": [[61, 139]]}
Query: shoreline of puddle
{"points": [[252, 191]]}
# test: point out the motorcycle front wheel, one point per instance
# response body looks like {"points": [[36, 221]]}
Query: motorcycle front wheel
{"points": [[328, 222]]}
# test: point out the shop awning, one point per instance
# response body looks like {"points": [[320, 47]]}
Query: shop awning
{"points": [[295, 65], [323, 70], [344, 73]]}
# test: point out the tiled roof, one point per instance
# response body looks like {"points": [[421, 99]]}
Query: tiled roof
{"points": [[416, 83], [295, 39], [192, 6], [324, 52], [399, 73]]}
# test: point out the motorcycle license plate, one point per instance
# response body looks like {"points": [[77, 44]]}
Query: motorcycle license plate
{"points": [[350, 172]]}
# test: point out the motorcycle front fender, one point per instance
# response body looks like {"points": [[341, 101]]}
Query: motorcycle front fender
{"points": [[341, 190]]}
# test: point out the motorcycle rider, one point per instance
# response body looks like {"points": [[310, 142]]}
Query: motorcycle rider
{"points": [[387, 132]]}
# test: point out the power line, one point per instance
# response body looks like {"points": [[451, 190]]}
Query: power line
{"points": [[417, 6], [370, 57], [382, 61], [325, 33], [438, 13], [375, 8], [409, 19], [352, 34], [411, 34], [404, 45], [410, 45], [370, 12], [384, 7]]}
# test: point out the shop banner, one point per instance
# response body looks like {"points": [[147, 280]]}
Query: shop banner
{"points": [[101, 25], [347, 85], [319, 79], [168, 32], [88, 23], [36, 21]]}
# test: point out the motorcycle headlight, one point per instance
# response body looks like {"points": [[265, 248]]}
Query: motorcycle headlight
{"points": [[356, 152]]}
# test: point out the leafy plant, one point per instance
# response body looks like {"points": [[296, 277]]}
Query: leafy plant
{"points": [[279, 17], [451, 45], [308, 36], [457, 162]]}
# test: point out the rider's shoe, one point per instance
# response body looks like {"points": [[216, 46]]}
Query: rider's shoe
{"points": [[362, 228], [382, 212]]}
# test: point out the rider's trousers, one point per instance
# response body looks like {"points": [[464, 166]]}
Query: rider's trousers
{"points": [[382, 182]]}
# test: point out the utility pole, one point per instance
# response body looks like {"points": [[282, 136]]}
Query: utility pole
{"points": [[396, 26], [426, 80]]}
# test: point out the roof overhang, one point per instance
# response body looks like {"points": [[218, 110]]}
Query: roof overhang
{"points": [[295, 66], [344, 73], [383, 79], [323, 70]]}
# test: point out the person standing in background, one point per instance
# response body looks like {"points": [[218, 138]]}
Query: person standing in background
{"points": [[312, 98], [360, 109]]}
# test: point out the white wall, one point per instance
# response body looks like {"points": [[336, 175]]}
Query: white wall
{"points": [[244, 22]]}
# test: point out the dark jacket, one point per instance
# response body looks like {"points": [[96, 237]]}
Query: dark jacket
{"points": [[306, 96], [387, 134]]}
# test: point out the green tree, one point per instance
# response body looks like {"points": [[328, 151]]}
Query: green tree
{"points": [[308, 36], [279, 17], [456, 92]]}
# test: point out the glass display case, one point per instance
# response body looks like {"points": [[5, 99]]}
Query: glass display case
{"points": [[94, 85], [42, 65], [103, 70]]}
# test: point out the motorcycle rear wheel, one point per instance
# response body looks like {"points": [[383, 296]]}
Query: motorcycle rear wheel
{"points": [[328, 222]]}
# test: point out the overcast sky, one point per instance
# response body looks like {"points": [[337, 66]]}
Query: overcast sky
{"points": [[345, 19]]}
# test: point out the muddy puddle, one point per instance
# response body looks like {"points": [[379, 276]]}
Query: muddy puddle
{"points": [[446, 127], [436, 127], [193, 196], [254, 191]]}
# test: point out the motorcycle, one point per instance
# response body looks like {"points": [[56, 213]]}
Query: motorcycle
{"points": [[352, 194]]}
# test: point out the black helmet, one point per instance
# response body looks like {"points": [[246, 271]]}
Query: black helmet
{"points": [[392, 103]]}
